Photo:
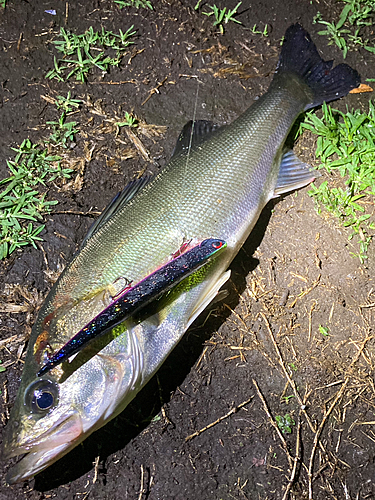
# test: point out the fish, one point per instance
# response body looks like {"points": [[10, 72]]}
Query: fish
{"points": [[216, 184]]}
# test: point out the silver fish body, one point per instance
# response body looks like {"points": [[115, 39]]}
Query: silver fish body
{"points": [[217, 190]]}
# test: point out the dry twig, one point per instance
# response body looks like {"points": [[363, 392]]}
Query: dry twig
{"points": [[220, 419], [318, 432], [96, 469], [310, 320], [142, 489], [296, 459], [305, 292], [155, 90], [271, 419]]}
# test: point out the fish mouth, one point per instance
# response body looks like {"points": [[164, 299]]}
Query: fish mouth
{"points": [[45, 449]]}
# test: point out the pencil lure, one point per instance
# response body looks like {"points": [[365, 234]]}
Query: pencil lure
{"points": [[136, 297]]}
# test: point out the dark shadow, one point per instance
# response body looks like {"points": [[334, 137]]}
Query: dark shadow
{"points": [[136, 417]]}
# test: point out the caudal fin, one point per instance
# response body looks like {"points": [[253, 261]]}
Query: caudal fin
{"points": [[299, 55]]}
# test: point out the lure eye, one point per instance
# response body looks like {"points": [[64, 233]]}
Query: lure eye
{"points": [[41, 396], [217, 244]]}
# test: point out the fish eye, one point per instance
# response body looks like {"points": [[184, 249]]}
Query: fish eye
{"points": [[41, 396]]}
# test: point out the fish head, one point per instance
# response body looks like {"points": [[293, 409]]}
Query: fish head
{"points": [[54, 413], [41, 428]]}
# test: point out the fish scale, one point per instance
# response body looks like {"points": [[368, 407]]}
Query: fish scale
{"points": [[215, 190], [221, 170]]}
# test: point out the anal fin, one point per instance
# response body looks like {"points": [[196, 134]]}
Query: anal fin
{"points": [[293, 174]]}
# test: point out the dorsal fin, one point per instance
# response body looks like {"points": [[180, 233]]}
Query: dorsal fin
{"points": [[193, 134], [121, 199]]}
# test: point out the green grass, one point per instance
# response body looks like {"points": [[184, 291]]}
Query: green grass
{"points": [[134, 3], [324, 330], [129, 121], [62, 132], [346, 149], [92, 49], [255, 31], [67, 104], [220, 16], [23, 194], [347, 32], [286, 399]]}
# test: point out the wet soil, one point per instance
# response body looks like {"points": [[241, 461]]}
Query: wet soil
{"points": [[262, 345]]}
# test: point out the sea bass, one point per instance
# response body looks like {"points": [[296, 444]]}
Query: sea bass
{"points": [[214, 189]]}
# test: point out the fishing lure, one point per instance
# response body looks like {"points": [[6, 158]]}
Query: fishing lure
{"points": [[132, 299]]}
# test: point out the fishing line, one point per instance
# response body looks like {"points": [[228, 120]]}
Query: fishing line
{"points": [[193, 125], [191, 135], [190, 141]]}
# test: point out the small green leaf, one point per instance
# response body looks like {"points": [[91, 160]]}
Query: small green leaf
{"points": [[324, 330], [285, 423]]}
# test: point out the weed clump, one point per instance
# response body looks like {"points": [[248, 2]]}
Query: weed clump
{"points": [[81, 53], [22, 205], [346, 145], [347, 33]]}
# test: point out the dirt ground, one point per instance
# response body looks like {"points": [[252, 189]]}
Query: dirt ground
{"points": [[254, 357]]}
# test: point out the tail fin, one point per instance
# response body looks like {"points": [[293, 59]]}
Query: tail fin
{"points": [[299, 55]]}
